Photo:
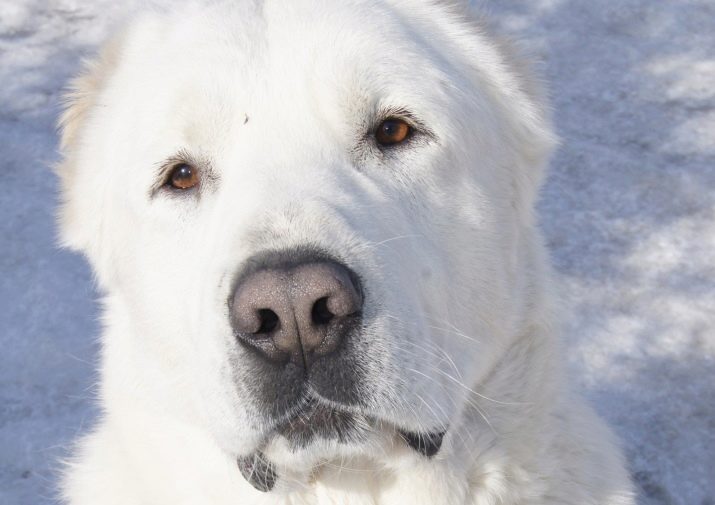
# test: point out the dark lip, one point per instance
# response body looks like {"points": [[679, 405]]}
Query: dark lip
{"points": [[316, 419]]}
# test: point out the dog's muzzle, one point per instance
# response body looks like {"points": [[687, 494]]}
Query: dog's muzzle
{"points": [[298, 314]]}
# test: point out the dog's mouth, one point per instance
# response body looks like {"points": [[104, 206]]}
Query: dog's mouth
{"points": [[312, 422], [317, 421]]}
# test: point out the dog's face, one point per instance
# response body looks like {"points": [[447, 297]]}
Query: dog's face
{"points": [[309, 217]]}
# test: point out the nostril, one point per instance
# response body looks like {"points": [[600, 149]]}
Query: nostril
{"points": [[320, 313], [269, 321]]}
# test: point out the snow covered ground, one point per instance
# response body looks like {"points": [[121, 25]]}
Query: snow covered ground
{"points": [[629, 212]]}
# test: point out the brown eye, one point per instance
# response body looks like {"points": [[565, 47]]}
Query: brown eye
{"points": [[392, 131], [183, 176]]}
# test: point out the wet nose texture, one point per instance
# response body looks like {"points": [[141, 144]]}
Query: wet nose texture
{"points": [[296, 312]]}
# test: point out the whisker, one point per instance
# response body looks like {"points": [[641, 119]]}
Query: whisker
{"points": [[397, 237]]}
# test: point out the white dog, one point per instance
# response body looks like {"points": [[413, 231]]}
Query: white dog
{"points": [[312, 222]]}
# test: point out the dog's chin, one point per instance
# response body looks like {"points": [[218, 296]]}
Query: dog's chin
{"points": [[318, 423], [312, 434], [318, 432]]}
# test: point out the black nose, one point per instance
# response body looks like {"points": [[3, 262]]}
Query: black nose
{"points": [[296, 312]]}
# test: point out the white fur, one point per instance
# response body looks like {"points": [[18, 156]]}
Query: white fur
{"points": [[277, 97]]}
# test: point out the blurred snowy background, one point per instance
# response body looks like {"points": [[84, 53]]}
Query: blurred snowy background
{"points": [[629, 212]]}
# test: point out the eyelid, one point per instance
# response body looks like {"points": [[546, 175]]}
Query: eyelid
{"points": [[404, 114], [165, 168]]}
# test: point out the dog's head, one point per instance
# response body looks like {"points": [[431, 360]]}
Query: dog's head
{"points": [[312, 219]]}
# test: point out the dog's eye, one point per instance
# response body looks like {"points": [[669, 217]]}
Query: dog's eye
{"points": [[392, 131], [183, 176]]}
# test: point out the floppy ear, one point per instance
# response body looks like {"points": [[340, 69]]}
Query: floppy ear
{"points": [[81, 95], [529, 112], [79, 219], [507, 70]]}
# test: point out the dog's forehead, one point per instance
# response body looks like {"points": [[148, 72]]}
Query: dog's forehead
{"points": [[269, 47], [199, 76]]}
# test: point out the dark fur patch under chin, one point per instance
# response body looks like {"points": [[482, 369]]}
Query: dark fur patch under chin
{"points": [[258, 471], [427, 444]]}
